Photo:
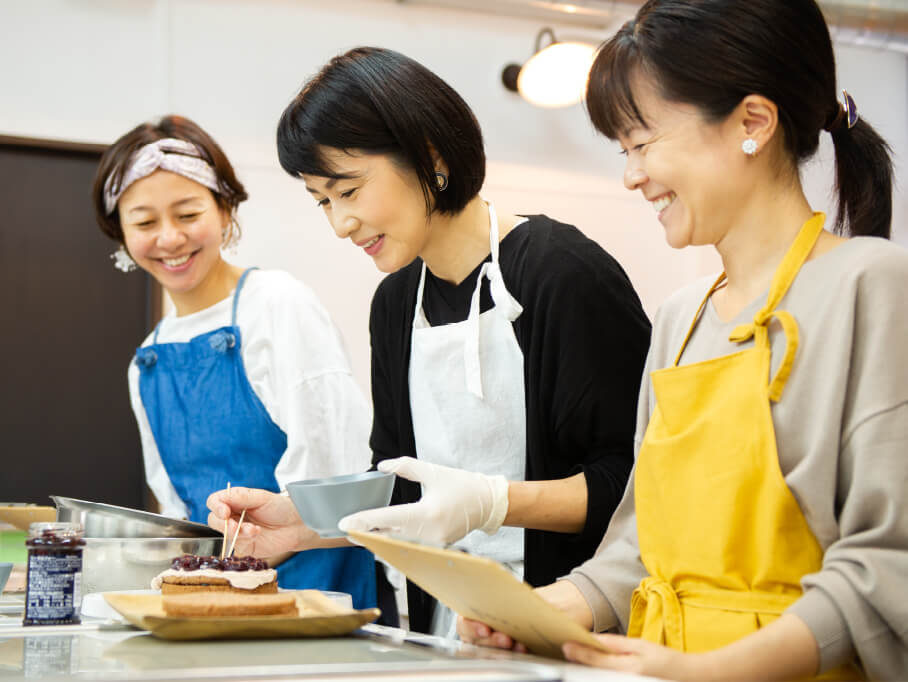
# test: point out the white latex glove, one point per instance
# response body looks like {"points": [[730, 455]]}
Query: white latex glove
{"points": [[453, 503]]}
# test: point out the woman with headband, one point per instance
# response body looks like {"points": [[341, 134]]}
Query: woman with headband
{"points": [[764, 532], [506, 350], [247, 381]]}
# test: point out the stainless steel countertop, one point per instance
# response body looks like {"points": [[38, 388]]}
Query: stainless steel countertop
{"points": [[105, 650]]}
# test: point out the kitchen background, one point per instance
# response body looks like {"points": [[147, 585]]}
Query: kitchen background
{"points": [[86, 71]]}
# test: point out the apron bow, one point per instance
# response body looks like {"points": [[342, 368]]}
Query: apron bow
{"points": [[656, 613], [759, 329]]}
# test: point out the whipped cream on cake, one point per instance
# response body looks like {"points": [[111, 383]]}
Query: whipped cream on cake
{"points": [[242, 573]]}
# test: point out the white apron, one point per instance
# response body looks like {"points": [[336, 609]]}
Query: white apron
{"points": [[468, 402]]}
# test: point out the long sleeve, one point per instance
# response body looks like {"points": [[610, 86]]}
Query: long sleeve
{"points": [[297, 364], [856, 602], [584, 335], [389, 326], [585, 356], [608, 580]]}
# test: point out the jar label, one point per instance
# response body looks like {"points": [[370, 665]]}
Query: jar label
{"points": [[54, 587]]}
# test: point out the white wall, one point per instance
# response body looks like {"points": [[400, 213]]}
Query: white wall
{"points": [[88, 70]]}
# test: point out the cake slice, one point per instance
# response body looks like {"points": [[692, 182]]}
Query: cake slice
{"points": [[190, 573], [223, 604]]}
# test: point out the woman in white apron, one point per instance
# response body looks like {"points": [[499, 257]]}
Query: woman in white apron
{"points": [[506, 350], [764, 534]]}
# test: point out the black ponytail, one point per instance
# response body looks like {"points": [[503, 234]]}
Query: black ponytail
{"points": [[863, 181]]}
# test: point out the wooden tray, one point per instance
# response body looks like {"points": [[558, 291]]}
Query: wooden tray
{"points": [[484, 590], [20, 516], [319, 617]]}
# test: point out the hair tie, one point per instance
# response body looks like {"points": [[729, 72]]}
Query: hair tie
{"points": [[847, 113]]}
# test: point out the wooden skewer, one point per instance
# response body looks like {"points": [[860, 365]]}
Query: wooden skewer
{"points": [[237, 534], [226, 525]]}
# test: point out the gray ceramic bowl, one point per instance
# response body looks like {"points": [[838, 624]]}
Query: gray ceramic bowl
{"points": [[322, 502], [5, 569]]}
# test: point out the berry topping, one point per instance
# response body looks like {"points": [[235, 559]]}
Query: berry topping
{"points": [[191, 562]]}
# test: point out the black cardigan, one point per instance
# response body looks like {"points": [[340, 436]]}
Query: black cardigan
{"points": [[584, 338]]}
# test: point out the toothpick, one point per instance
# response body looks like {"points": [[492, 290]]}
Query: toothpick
{"points": [[237, 534], [226, 525]]}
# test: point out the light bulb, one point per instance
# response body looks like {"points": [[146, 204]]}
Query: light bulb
{"points": [[557, 75]]}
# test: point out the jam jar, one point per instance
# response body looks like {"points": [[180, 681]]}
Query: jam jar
{"points": [[54, 581]]}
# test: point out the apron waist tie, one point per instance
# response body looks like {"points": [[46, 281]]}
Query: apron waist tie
{"points": [[656, 613]]}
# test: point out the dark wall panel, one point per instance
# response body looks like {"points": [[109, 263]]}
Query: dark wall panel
{"points": [[69, 324]]}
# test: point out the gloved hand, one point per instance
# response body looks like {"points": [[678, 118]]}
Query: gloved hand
{"points": [[453, 503]]}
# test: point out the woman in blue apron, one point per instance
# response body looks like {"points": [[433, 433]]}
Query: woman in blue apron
{"points": [[506, 350], [247, 382]]}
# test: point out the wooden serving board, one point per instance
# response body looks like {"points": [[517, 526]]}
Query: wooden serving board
{"points": [[484, 590], [319, 617], [20, 516]]}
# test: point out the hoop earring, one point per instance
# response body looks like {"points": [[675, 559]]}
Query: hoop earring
{"points": [[442, 180], [749, 146], [122, 260]]}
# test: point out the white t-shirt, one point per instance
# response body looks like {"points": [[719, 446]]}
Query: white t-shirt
{"points": [[298, 367]]}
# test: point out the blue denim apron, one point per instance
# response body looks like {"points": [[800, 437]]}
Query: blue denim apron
{"points": [[211, 428]]}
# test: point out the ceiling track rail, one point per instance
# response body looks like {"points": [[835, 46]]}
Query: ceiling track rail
{"points": [[881, 24]]}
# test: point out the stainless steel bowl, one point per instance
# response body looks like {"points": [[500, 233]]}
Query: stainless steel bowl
{"points": [[130, 563], [109, 521]]}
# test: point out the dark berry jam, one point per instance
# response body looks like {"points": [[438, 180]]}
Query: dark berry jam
{"points": [[191, 562], [54, 581]]}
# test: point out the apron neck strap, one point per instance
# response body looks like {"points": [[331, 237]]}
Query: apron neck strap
{"points": [[493, 232], [236, 298], [791, 264], [693, 324], [782, 279], [758, 329], [236, 295], [484, 271]]}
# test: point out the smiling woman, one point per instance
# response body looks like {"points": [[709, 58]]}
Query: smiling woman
{"points": [[247, 381], [763, 533], [506, 350]]}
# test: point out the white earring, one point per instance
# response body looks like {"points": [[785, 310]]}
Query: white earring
{"points": [[122, 260], [749, 146]]}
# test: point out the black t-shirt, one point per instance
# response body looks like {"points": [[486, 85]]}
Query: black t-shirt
{"points": [[584, 338]]}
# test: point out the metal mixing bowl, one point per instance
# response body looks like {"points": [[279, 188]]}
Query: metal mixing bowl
{"points": [[130, 563], [109, 521]]}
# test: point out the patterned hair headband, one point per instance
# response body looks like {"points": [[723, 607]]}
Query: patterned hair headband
{"points": [[170, 154], [847, 113]]}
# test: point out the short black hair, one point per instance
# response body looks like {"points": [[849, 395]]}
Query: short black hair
{"points": [[714, 53], [379, 101]]}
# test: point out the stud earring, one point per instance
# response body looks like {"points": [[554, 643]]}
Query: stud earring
{"points": [[442, 180], [122, 260], [749, 146]]}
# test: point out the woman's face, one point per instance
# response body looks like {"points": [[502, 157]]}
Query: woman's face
{"points": [[689, 170], [379, 206], [172, 227]]}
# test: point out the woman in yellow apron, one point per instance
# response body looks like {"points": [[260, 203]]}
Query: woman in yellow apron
{"points": [[763, 533]]}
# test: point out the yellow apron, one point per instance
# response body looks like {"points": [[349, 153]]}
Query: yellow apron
{"points": [[721, 535]]}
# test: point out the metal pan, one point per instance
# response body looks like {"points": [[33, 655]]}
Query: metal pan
{"points": [[109, 521]]}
